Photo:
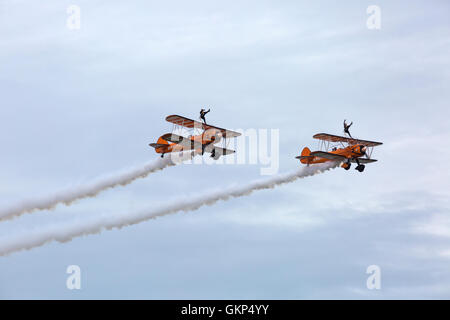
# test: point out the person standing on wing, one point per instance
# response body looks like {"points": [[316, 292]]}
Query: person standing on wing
{"points": [[346, 127], [202, 115]]}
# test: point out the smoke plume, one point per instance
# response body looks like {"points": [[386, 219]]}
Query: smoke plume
{"points": [[67, 231]]}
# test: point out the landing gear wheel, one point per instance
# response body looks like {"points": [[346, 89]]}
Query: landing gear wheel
{"points": [[162, 156], [360, 168], [346, 165]]}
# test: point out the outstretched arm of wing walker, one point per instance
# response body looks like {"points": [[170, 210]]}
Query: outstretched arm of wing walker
{"points": [[346, 126]]}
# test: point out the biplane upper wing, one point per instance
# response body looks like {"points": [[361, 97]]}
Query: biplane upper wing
{"points": [[351, 141], [189, 123], [174, 138]]}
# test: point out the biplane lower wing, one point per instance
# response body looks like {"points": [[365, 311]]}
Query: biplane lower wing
{"points": [[337, 157], [350, 141], [363, 160], [182, 141], [328, 155], [216, 152], [192, 124], [222, 151]]}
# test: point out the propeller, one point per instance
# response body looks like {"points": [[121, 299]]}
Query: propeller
{"points": [[364, 150]]}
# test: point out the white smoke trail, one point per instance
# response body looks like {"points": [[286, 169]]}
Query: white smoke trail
{"points": [[93, 188], [68, 231]]}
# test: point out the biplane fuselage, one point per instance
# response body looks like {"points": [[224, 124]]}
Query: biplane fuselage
{"points": [[197, 143], [350, 152]]}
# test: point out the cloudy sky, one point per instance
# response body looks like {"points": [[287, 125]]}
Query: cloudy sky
{"points": [[78, 104]]}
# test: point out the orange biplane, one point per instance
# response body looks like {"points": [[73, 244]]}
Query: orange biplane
{"points": [[204, 142], [345, 150]]}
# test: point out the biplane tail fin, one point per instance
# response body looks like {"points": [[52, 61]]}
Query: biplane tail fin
{"points": [[161, 141], [305, 156], [305, 152]]}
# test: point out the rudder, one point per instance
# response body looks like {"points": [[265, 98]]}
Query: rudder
{"points": [[161, 141], [303, 156]]}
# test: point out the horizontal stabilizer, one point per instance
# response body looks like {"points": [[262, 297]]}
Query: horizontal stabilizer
{"points": [[157, 145], [304, 157]]}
